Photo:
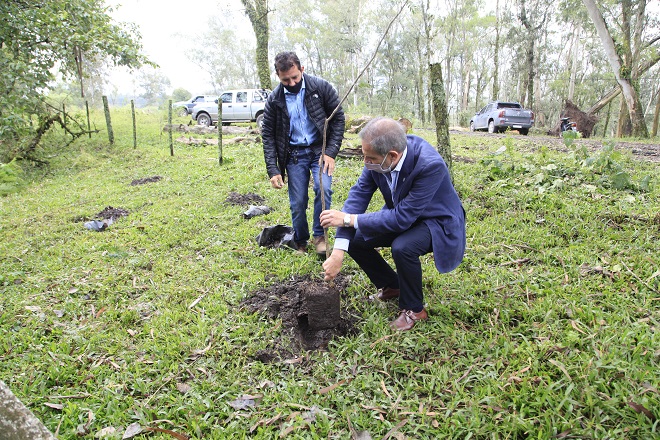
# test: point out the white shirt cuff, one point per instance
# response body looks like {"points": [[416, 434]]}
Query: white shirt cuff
{"points": [[342, 244]]}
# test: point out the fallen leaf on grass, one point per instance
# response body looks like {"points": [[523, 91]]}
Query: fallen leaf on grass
{"points": [[132, 430], [327, 389], [310, 416], [563, 434], [106, 432], [243, 402], [176, 435], [575, 326], [57, 406], [373, 408], [183, 387], [639, 409], [561, 367], [266, 422]]}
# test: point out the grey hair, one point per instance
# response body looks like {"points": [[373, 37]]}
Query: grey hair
{"points": [[384, 135]]}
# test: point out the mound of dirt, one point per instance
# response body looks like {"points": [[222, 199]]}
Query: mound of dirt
{"points": [[145, 180], [110, 213], [310, 311], [237, 199]]}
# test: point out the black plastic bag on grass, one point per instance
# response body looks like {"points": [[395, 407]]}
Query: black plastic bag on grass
{"points": [[277, 236]]}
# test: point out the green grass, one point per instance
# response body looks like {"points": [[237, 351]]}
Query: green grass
{"points": [[548, 328]]}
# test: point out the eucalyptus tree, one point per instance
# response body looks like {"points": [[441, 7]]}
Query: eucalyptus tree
{"points": [[257, 11], [40, 37], [623, 29]]}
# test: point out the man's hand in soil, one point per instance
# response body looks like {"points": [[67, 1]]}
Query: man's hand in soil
{"points": [[276, 181], [332, 265]]}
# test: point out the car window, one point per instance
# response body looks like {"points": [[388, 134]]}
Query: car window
{"points": [[483, 109], [198, 99], [226, 97], [241, 97], [256, 97], [509, 105]]}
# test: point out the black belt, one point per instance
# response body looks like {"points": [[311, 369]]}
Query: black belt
{"points": [[301, 147]]}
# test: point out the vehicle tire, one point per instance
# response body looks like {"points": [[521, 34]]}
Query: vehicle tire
{"points": [[182, 112], [472, 126], [523, 131], [203, 119], [260, 121], [491, 127]]}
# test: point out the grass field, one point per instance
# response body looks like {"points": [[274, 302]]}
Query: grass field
{"points": [[550, 328]]}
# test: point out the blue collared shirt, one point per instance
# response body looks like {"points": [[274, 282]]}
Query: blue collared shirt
{"points": [[302, 130]]}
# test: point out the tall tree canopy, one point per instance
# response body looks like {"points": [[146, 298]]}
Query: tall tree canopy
{"points": [[40, 37]]}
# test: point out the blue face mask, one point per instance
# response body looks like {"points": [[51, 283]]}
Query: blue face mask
{"points": [[379, 167]]}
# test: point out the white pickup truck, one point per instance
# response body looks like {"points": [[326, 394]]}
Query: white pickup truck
{"points": [[497, 116], [244, 105]]}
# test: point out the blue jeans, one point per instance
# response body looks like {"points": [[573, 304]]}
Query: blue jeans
{"points": [[303, 163]]}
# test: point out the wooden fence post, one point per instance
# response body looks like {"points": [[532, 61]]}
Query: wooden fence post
{"points": [[134, 124], [89, 126], [169, 122], [219, 123], [108, 122]]}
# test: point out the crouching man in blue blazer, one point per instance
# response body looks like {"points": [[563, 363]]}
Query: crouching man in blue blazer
{"points": [[422, 214]]}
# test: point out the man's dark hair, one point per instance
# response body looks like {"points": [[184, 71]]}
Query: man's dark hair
{"points": [[285, 61]]}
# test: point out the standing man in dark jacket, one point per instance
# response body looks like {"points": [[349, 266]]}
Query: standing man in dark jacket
{"points": [[292, 132], [422, 214]]}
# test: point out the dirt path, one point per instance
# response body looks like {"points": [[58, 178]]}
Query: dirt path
{"points": [[640, 150]]}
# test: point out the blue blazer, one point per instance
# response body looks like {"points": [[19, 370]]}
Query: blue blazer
{"points": [[424, 193]]}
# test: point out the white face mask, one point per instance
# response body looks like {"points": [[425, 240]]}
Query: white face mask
{"points": [[379, 167]]}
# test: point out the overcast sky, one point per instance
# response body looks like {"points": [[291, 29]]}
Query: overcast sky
{"points": [[167, 27]]}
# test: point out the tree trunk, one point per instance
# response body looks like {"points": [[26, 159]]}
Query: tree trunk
{"points": [[622, 72], [440, 113], [574, 64], [656, 115], [257, 12], [624, 127], [496, 58]]}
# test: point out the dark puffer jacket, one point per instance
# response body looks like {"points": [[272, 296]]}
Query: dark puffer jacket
{"points": [[320, 101]]}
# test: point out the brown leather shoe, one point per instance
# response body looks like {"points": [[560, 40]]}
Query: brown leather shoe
{"points": [[302, 248], [407, 320], [319, 244], [387, 293]]}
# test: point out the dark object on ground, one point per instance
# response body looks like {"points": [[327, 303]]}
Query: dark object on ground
{"points": [[16, 421], [585, 122], [277, 236], [145, 180], [320, 303], [98, 225], [235, 198], [300, 303], [254, 211]]}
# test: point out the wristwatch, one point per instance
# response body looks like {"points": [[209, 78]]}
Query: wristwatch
{"points": [[347, 220]]}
